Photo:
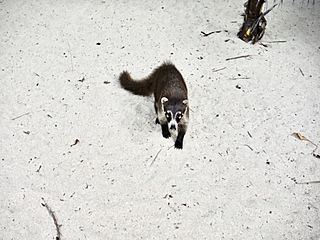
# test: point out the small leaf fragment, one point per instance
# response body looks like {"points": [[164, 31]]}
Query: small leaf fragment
{"points": [[299, 136]]}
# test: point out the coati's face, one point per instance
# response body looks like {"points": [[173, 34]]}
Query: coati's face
{"points": [[174, 112]]}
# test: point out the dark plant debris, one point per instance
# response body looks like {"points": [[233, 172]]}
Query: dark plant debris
{"points": [[154, 159], [254, 22], [38, 170], [301, 72], [208, 34], [20, 116], [219, 69], [75, 142], [82, 79], [303, 138], [233, 58], [55, 221]]}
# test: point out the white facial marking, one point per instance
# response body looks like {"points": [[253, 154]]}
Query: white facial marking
{"points": [[173, 127], [164, 99], [185, 101], [168, 114]]}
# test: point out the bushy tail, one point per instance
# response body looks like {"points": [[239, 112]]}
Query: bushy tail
{"points": [[141, 87]]}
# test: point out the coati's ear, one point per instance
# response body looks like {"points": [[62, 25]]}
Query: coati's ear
{"points": [[185, 102], [164, 99]]}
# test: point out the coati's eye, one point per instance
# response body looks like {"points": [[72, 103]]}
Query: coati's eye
{"points": [[179, 116], [168, 115]]}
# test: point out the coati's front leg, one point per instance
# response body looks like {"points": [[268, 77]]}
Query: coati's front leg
{"points": [[161, 119], [156, 109], [165, 130], [164, 125], [179, 141]]}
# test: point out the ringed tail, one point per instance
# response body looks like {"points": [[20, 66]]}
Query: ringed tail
{"points": [[142, 87]]}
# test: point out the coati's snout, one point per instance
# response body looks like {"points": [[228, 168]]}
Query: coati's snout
{"points": [[172, 122], [173, 126]]}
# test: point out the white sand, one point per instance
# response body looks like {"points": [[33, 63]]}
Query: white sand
{"points": [[224, 184]]}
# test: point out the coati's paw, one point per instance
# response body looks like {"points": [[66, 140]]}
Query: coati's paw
{"points": [[165, 131], [166, 134], [157, 121], [178, 145]]}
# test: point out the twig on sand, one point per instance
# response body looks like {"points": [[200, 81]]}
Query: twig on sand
{"points": [[264, 45], [154, 159], [277, 41], [44, 204], [248, 147], [219, 69], [303, 138], [38, 170], [75, 142], [310, 182], [207, 34], [172, 145], [301, 72], [21, 116], [238, 78], [69, 48], [233, 58]]}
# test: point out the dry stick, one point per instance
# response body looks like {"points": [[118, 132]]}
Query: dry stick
{"points": [[262, 44], [314, 150], [310, 182], [58, 237], [70, 55], [39, 168], [154, 159], [237, 78], [248, 147], [219, 69], [21, 116], [277, 41], [170, 147], [244, 56], [302, 138], [301, 72], [75, 142], [207, 34]]}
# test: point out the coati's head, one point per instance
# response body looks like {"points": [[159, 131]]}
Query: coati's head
{"points": [[174, 110]]}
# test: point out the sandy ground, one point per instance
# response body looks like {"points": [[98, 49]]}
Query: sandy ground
{"points": [[239, 172]]}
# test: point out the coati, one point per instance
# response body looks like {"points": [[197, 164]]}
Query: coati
{"points": [[170, 98]]}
